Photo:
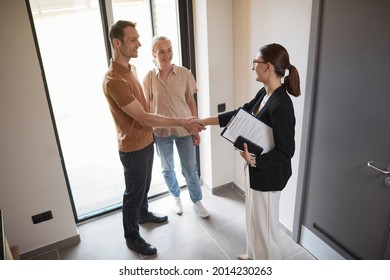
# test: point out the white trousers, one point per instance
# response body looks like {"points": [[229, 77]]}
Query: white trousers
{"points": [[262, 225]]}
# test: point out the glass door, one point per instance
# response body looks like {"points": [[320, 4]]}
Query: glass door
{"points": [[163, 15], [72, 46]]}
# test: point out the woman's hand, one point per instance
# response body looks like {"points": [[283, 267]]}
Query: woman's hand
{"points": [[245, 154], [249, 158], [196, 139]]}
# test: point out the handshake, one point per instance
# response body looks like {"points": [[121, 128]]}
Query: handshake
{"points": [[194, 125]]}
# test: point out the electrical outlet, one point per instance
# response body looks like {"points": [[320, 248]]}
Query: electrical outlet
{"points": [[39, 218], [221, 107]]}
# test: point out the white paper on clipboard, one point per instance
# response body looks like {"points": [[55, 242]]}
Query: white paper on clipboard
{"points": [[246, 125]]}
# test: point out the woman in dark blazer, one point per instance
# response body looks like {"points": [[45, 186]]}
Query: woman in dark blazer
{"points": [[270, 171]]}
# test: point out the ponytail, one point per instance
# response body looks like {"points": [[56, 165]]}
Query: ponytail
{"points": [[278, 56], [291, 81]]}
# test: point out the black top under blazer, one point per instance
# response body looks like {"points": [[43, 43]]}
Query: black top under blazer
{"points": [[273, 169]]}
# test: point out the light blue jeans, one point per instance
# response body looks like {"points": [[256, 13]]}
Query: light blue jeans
{"points": [[186, 150]]}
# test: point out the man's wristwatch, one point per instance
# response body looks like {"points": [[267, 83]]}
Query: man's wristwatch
{"points": [[253, 161]]}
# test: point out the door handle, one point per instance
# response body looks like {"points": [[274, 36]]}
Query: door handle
{"points": [[377, 169], [387, 178]]}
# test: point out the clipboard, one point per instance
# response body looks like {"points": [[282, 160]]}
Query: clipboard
{"points": [[252, 130]]}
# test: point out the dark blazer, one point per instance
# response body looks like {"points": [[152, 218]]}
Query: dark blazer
{"points": [[273, 169]]}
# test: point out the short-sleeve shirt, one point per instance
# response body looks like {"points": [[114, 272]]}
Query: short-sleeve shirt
{"points": [[170, 98], [121, 87]]}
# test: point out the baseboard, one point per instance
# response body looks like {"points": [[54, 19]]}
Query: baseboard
{"points": [[52, 247], [285, 229], [224, 187]]}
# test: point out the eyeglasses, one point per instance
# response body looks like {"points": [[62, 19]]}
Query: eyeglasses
{"points": [[255, 62]]}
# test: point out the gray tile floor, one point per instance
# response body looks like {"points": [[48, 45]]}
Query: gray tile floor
{"points": [[186, 237]]}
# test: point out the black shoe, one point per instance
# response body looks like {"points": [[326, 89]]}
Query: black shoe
{"points": [[141, 246], [152, 218]]}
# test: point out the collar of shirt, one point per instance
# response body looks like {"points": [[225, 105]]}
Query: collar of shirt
{"points": [[174, 70], [120, 68]]}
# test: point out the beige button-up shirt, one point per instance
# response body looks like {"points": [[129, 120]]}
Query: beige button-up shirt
{"points": [[170, 98]]}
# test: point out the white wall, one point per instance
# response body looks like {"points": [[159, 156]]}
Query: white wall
{"points": [[31, 176], [214, 67], [253, 23]]}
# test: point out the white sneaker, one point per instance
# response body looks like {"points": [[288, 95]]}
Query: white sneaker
{"points": [[199, 208], [178, 205]]}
